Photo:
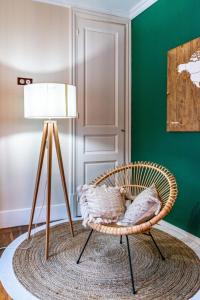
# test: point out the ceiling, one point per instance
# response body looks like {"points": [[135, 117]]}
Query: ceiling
{"points": [[123, 8]]}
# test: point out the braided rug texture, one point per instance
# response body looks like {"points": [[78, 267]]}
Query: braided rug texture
{"points": [[103, 272]]}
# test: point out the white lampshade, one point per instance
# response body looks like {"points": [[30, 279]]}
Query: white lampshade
{"points": [[50, 100]]}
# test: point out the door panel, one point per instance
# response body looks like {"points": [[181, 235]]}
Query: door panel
{"points": [[100, 144], [99, 50], [96, 168], [100, 78]]}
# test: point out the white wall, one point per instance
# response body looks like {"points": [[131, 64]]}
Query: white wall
{"points": [[34, 42]]}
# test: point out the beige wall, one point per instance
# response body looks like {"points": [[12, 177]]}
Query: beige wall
{"points": [[34, 42]]}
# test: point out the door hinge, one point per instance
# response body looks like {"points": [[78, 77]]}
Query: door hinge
{"points": [[77, 31]]}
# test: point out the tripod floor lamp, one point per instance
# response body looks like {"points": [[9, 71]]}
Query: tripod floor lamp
{"points": [[49, 101]]}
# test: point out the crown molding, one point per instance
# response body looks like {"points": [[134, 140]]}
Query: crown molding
{"points": [[70, 4], [135, 10], [140, 7]]}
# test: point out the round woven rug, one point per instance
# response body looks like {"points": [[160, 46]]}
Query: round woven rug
{"points": [[103, 272]]}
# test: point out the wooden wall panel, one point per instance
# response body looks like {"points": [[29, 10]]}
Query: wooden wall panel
{"points": [[183, 87]]}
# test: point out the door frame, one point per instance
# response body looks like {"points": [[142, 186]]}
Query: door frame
{"points": [[73, 14]]}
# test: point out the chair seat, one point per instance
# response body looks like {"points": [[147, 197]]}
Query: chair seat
{"points": [[121, 230], [135, 177]]}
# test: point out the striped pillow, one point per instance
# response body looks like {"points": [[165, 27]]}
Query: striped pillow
{"points": [[144, 207]]}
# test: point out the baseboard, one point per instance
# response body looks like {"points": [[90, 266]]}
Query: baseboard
{"points": [[189, 239], [18, 217], [180, 231]]}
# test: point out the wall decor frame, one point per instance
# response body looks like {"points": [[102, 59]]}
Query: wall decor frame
{"points": [[183, 87]]}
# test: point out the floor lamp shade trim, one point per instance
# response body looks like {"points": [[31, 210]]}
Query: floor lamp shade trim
{"points": [[50, 100]]}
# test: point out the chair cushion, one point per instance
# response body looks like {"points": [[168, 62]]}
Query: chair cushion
{"points": [[145, 206], [101, 204]]}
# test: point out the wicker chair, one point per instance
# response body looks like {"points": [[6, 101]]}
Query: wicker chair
{"points": [[135, 177]]}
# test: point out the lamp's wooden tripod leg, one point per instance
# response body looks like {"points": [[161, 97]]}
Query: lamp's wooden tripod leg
{"points": [[37, 182], [49, 171], [60, 162]]}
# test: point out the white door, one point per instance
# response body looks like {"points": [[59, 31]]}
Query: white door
{"points": [[100, 78]]}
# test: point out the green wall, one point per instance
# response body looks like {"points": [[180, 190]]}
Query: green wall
{"points": [[165, 25]]}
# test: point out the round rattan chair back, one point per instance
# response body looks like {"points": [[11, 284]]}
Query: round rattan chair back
{"points": [[135, 177]]}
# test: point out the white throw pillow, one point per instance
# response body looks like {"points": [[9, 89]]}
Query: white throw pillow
{"points": [[145, 206], [101, 204]]}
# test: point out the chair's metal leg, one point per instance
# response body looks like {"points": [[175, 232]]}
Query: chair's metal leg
{"points": [[163, 258], [130, 264], [120, 239], [89, 236]]}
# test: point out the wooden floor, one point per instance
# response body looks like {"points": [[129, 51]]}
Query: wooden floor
{"points": [[7, 235], [3, 294]]}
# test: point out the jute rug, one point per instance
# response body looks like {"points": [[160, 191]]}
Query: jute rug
{"points": [[103, 272]]}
